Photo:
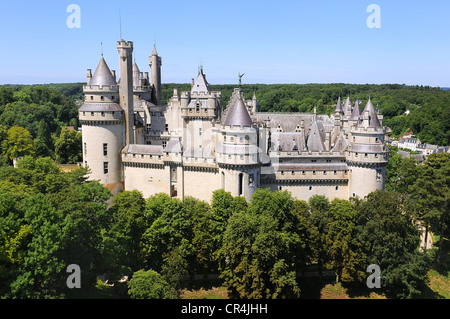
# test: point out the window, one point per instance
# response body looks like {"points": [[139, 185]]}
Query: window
{"points": [[240, 180], [92, 97], [105, 149], [337, 187], [313, 161], [102, 98], [164, 144], [200, 131], [167, 127], [310, 187], [85, 148], [379, 175], [105, 168]]}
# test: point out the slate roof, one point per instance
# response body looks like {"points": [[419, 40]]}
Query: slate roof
{"points": [[102, 75], [373, 118], [238, 115]]}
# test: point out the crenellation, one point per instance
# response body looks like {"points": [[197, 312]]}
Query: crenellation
{"points": [[193, 146]]}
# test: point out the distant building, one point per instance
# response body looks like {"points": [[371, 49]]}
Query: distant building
{"points": [[193, 146]]}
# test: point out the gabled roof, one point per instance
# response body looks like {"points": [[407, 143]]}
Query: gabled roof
{"points": [[174, 146], [316, 137], [238, 115], [102, 75], [200, 85], [341, 144]]}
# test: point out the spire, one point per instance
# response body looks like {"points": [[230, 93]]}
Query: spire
{"points": [[102, 75], [347, 106], [338, 106], [136, 75], [370, 118], [238, 115], [154, 50], [356, 113]]}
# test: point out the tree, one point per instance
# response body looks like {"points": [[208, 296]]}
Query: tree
{"points": [[121, 241], [68, 147], [19, 142], [149, 285], [320, 220], [43, 142], [257, 255], [430, 193], [339, 236], [391, 240]]}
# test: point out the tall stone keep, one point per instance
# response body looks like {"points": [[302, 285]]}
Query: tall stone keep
{"points": [[155, 63], [125, 49]]}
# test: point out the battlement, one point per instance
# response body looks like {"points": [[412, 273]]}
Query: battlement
{"points": [[98, 88], [122, 44]]}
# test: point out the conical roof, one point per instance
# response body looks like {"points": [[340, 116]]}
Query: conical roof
{"points": [[339, 106], [136, 75], [102, 75], [373, 118], [238, 115], [154, 50], [347, 106], [356, 113]]}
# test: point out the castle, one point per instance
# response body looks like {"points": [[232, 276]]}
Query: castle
{"points": [[193, 146]]}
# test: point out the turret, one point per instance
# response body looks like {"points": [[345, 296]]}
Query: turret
{"points": [[103, 126], [155, 63], [367, 155], [238, 153]]}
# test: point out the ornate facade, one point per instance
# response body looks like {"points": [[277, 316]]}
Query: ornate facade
{"points": [[193, 146]]}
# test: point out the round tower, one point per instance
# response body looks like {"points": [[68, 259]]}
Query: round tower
{"points": [[237, 153], [367, 155], [103, 128]]}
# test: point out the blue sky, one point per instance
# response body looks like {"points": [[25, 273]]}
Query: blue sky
{"points": [[283, 41]]}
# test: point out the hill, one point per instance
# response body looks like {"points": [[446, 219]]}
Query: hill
{"points": [[429, 107]]}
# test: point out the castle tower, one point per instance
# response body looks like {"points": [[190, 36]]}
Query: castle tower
{"points": [[125, 49], [103, 126], [367, 155], [199, 109], [237, 153], [155, 63]]}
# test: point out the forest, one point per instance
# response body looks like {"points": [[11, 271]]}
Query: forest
{"points": [[157, 247], [50, 219]]}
